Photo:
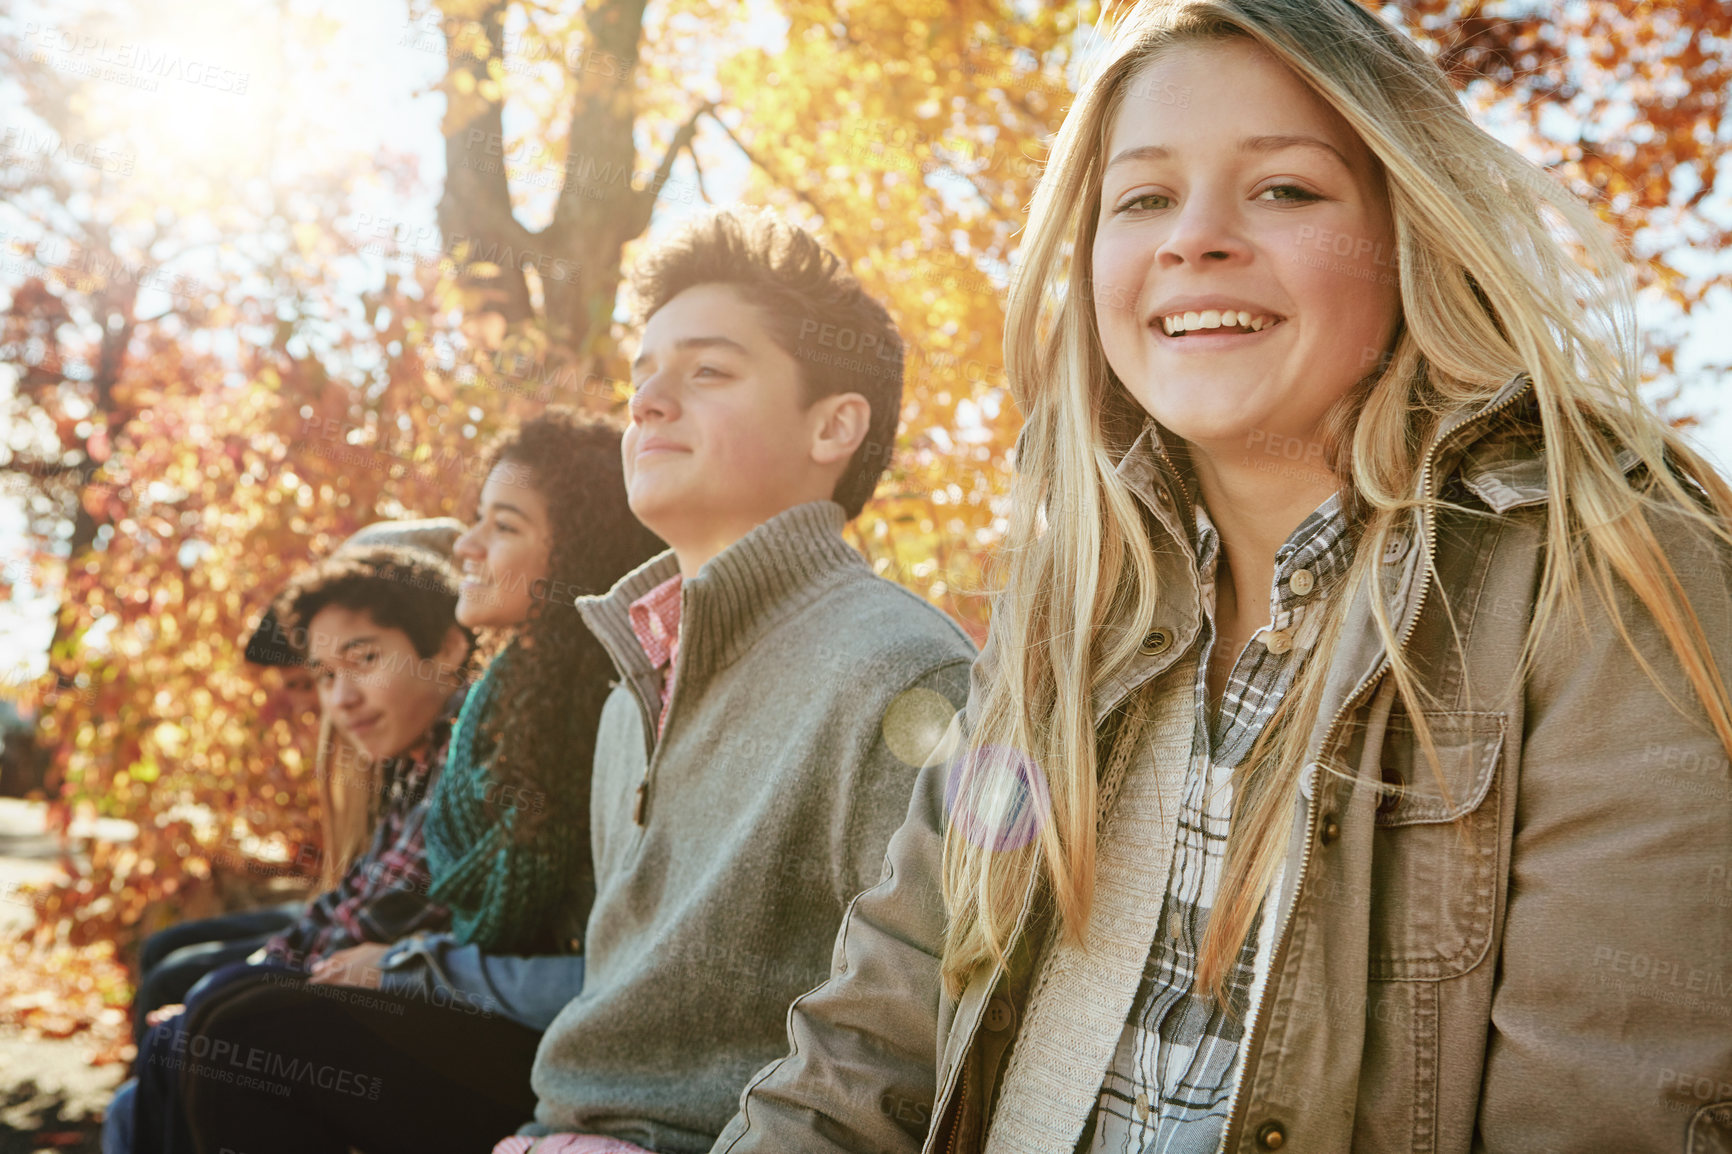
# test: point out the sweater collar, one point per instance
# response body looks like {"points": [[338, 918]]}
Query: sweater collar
{"points": [[737, 596]]}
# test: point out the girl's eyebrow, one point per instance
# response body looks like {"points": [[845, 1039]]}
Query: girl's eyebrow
{"points": [[1270, 143], [497, 507], [1140, 152], [1276, 142]]}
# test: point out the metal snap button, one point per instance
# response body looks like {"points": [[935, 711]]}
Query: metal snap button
{"points": [[1270, 1136], [1329, 831], [999, 1015], [1155, 642], [1164, 496], [1301, 581]]}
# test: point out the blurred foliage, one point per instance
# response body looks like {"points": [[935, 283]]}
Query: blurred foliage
{"points": [[319, 365]]}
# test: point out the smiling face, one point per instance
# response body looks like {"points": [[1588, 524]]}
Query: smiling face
{"points": [[370, 679], [505, 555], [722, 437], [1243, 262]]}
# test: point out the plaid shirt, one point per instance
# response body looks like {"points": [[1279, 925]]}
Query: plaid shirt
{"points": [[1166, 1091], [655, 620], [383, 896]]}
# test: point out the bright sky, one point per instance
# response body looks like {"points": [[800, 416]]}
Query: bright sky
{"points": [[203, 83]]}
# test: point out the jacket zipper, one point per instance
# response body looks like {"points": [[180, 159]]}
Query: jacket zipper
{"points": [[653, 735], [653, 748], [1253, 1045], [961, 1106], [954, 1091]]}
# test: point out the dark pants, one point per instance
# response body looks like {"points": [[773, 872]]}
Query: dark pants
{"points": [[299, 1069], [171, 961], [176, 1050]]}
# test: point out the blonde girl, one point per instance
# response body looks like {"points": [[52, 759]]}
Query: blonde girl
{"points": [[1347, 769]]}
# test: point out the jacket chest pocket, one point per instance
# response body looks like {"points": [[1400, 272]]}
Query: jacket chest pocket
{"points": [[1435, 848]]}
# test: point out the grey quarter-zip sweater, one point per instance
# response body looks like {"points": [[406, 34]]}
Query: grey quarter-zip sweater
{"points": [[807, 691]]}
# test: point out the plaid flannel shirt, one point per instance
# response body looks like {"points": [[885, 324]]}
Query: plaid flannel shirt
{"points": [[655, 621], [383, 896], [1167, 1089]]}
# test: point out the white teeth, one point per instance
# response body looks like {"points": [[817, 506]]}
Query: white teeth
{"points": [[1176, 323]]}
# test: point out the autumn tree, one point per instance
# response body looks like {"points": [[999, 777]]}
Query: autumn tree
{"points": [[316, 363]]}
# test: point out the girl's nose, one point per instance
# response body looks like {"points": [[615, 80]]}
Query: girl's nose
{"points": [[1203, 232], [466, 545]]}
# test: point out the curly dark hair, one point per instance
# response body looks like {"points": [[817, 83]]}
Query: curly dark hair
{"points": [[842, 338], [399, 587], [553, 687]]}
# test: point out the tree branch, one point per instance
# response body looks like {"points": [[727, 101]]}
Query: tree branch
{"points": [[698, 170], [835, 240], [682, 142]]}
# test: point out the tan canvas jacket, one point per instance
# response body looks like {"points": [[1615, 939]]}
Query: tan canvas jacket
{"points": [[1533, 955]]}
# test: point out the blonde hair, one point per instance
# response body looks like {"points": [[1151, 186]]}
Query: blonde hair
{"points": [[1502, 272], [348, 788]]}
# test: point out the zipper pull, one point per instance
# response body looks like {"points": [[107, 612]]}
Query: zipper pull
{"points": [[642, 797]]}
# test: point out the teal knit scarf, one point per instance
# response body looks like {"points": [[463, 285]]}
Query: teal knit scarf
{"points": [[504, 896]]}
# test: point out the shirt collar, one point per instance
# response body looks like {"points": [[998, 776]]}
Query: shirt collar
{"points": [[1322, 542], [1322, 546], [655, 619], [738, 595]]}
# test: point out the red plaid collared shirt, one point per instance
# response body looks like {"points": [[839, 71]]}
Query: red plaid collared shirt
{"points": [[383, 896], [655, 619]]}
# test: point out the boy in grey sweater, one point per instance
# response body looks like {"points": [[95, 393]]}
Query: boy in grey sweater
{"points": [[775, 701]]}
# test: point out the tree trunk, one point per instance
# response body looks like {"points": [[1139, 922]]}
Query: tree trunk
{"points": [[603, 201]]}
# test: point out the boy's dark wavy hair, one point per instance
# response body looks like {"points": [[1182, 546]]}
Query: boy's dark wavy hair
{"points": [[552, 690], [841, 336], [398, 587]]}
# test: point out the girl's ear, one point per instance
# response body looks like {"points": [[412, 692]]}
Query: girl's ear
{"points": [[840, 424], [455, 649]]}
